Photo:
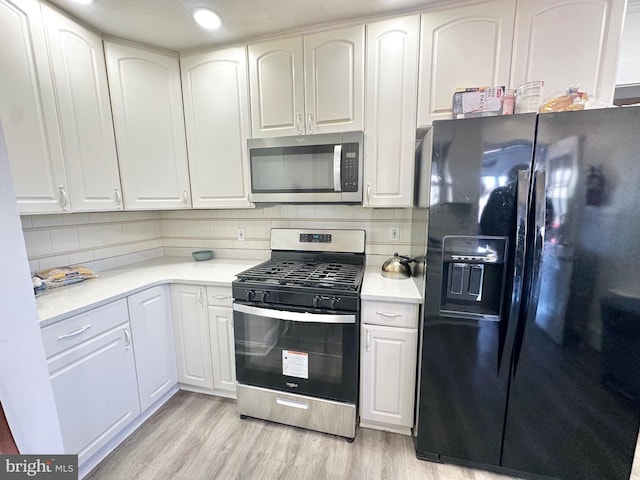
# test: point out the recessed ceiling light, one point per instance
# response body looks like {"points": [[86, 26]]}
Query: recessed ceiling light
{"points": [[207, 18]]}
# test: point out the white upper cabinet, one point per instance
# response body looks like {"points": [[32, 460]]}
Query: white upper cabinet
{"points": [[306, 85], [149, 126], [334, 87], [28, 111], [390, 121], [568, 43], [468, 46], [80, 79], [277, 87], [216, 110]]}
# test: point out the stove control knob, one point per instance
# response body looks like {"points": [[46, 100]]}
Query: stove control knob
{"points": [[250, 295], [265, 297], [334, 301], [316, 301]]}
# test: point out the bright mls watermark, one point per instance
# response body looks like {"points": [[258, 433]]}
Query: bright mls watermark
{"points": [[50, 467]]}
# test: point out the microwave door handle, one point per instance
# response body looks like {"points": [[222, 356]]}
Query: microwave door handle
{"points": [[337, 160]]}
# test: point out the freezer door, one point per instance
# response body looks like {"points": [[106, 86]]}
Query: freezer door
{"points": [[478, 167], [573, 400]]}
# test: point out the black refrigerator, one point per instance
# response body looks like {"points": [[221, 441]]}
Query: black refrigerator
{"points": [[530, 342]]}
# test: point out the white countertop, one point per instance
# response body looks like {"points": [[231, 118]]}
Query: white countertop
{"points": [[377, 287], [60, 303]]}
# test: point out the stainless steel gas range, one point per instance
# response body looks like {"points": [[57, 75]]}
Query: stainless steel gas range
{"points": [[297, 320]]}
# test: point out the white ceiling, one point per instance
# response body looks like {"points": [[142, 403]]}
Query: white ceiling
{"points": [[168, 23]]}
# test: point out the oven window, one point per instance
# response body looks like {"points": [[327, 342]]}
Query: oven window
{"points": [[292, 169], [316, 359]]}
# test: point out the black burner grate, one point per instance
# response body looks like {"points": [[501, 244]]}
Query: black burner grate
{"points": [[309, 274]]}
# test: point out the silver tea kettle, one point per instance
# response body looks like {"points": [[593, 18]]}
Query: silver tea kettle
{"points": [[397, 267]]}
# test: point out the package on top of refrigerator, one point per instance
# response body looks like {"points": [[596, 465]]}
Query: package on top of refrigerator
{"points": [[478, 102]]}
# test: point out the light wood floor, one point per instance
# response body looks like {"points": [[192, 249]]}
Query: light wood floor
{"points": [[201, 437]]}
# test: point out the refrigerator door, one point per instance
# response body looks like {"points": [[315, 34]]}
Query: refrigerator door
{"points": [[479, 187], [573, 400]]}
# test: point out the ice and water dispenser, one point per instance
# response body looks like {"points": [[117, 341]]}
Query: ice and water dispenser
{"points": [[473, 276]]}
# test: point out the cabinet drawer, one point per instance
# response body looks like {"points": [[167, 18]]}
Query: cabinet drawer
{"points": [[69, 333], [390, 313], [220, 296]]}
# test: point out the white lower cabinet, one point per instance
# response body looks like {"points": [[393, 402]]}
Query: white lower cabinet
{"points": [[154, 348], [222, 350], [93, 375], [388, 368], [193, 349], [223, 356]]}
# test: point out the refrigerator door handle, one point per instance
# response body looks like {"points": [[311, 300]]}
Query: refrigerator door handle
{"points": [[540, 221], [522, 214]]}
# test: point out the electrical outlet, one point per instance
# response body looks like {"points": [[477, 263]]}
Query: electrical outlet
{"points": [[395, 233], [241, 236]]}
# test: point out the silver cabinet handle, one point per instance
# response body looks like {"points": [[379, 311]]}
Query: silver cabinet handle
{"points": [[309, 123], [368, 341], [222, 297], [184, 197], [74, 333], [64, 199], [118, 198], [391, 315], [368, 193], [299, 123], [291, 403], [127, 339], [200, 298]]}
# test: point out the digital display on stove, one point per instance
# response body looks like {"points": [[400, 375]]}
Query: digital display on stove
{"points": [[315, 237]]}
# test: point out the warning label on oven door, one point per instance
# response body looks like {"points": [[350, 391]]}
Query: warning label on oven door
{"points": [[295, 364]]}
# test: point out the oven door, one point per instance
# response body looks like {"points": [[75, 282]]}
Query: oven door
{"points": [[291, 350]]}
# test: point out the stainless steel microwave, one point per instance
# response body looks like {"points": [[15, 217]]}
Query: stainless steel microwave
{"points": [[324, 168]]}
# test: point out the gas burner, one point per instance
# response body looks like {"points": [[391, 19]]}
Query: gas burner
{"points": [[316, 274]]}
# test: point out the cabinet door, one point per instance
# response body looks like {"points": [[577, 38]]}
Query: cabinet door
{"points": [[276, 81], [153, 345], [469, 46], [388, 371], [568, 43], [193, 351], [28, 111], [222, 349], [216, 110], [96, 392], [80, 78], [334, 87], [149, 126], [390, 119]]}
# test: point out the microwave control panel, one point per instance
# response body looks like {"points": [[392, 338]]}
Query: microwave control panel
{"points": [[350, 167]]}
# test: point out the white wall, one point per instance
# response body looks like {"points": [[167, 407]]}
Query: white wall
{"points": [[25, 389]]}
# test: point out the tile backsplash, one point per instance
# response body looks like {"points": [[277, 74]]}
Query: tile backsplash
{"points": [[110, 239], [100, 240]]}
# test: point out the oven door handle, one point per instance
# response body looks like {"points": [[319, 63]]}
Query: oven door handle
{"points": [[294, 316]]}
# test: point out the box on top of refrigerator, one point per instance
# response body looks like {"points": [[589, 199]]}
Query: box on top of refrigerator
{"points": [[478, 102]]}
